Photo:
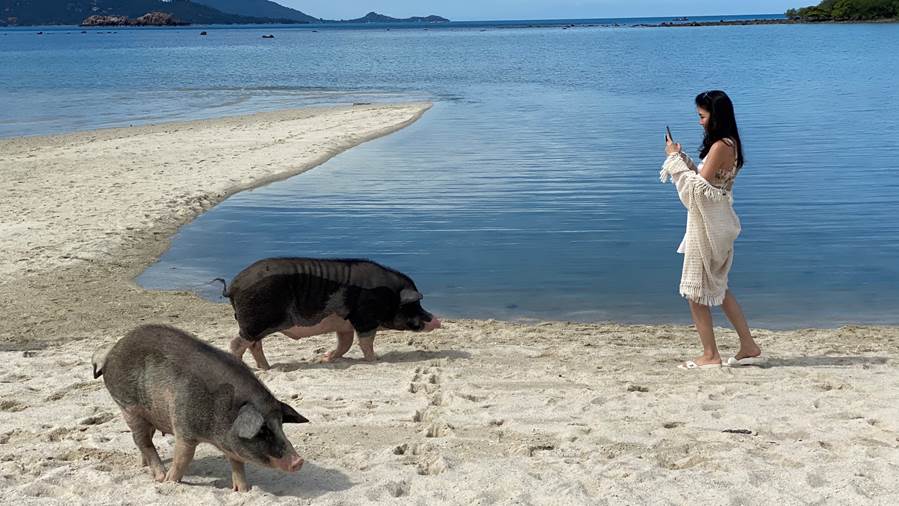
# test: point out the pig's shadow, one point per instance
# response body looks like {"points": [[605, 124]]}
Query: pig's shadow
{"points": [[311, 481], [391, 357]]}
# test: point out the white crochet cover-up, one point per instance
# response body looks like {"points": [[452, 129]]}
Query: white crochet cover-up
{"points": [[712, 228]]}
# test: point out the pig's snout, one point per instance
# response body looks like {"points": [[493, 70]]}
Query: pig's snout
{"points": [[295, 464], [289, 463], [431, 325]]}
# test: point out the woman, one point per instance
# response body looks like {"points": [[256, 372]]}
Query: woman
{"points": [[712, 227]]}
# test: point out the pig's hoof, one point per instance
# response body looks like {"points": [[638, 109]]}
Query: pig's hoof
{"points": [[330, 357], [171, 477], [241, 487], [370, 358], [158, 476]]}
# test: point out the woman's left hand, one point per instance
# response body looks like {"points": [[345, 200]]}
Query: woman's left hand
{"points": [[671, 147]]}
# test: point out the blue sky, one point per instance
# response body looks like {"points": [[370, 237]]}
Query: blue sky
{"points": [[462, 10]]}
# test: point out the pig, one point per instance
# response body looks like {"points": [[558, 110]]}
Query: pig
{"points": [[302, 297], [165, 379]]}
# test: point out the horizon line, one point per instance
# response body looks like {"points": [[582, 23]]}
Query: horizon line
{"points": [[328, 21]]}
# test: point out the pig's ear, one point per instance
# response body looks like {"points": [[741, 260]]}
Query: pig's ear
{"points": [[248, 422], [408, 296], [289, 415]]}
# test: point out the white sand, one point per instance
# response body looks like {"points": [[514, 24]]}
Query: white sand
{"points": [[79, 197], [479, 412]]}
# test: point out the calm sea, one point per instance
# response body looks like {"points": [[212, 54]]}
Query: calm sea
{"points": [[530, 190]]}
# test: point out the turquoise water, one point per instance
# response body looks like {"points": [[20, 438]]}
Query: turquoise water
{"points": [[530, 190]]}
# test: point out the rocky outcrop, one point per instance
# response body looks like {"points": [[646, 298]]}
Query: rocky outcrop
{"points": [[148, 19], [158, 19], [732, 22], [105, 21]]}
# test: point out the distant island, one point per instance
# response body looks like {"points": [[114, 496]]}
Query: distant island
{"points": [[207, 12], [847, 10], [374, 17]]}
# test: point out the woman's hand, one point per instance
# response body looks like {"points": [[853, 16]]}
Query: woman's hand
{"points": [[671, 147]]}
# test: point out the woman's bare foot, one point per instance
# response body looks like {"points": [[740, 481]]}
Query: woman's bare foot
{"points": [[748, 352], [706, 360]]}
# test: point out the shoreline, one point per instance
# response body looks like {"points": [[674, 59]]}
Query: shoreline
{"points": [[146, 240], [479, 411], [64, 232], [501, 24]]}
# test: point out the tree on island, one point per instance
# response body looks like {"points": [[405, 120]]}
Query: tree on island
{"points": [[847, 10]]}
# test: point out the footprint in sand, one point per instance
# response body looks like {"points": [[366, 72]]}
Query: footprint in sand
{"points": [[439, 429], [428, 380], [471, 397], [115, 458], [86, 386], [61, 433], [14, 378], [99, 418], [411, 449], [12, 406], [437, 399], [422, 387], [433, 466], [423, 415], [429, 386], [15, 435], [398, 488], [815, 480], [536, 448]]}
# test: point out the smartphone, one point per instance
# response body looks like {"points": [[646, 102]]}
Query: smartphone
{"points": [[669, 133]]}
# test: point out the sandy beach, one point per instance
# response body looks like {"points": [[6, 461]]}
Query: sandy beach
{"points": [[478, 412]]}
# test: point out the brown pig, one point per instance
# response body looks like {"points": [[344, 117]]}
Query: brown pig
{"points": [[168, 380]]}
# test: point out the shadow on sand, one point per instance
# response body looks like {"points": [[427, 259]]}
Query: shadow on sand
{"points": [[309, 482], [392, 357], [844, 361]]}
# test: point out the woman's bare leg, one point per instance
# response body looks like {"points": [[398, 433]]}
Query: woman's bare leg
{"points": [[748, 346], [702, 318]]}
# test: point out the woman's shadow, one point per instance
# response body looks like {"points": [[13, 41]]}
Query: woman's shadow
{"points": [[825, 361], [309, 482]]}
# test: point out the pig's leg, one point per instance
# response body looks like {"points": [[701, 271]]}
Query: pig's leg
{"points": [[239, 346], [184, 453], [344, 342], [142, 433], [238, 477], [291, 334], [367, 345], [259, 355]]}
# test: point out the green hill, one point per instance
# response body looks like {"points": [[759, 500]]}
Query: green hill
{"points": [[847, 10], [204, 12], [72, 12], [258, 8]]}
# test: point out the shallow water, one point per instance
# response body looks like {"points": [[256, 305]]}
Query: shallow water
{"points": [[530, 190]]}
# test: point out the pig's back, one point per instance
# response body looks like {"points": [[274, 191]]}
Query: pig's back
{"points": [[151, 362], [335, 272]]}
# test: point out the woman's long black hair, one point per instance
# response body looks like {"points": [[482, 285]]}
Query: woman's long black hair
{"points": [[722, 122]]}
